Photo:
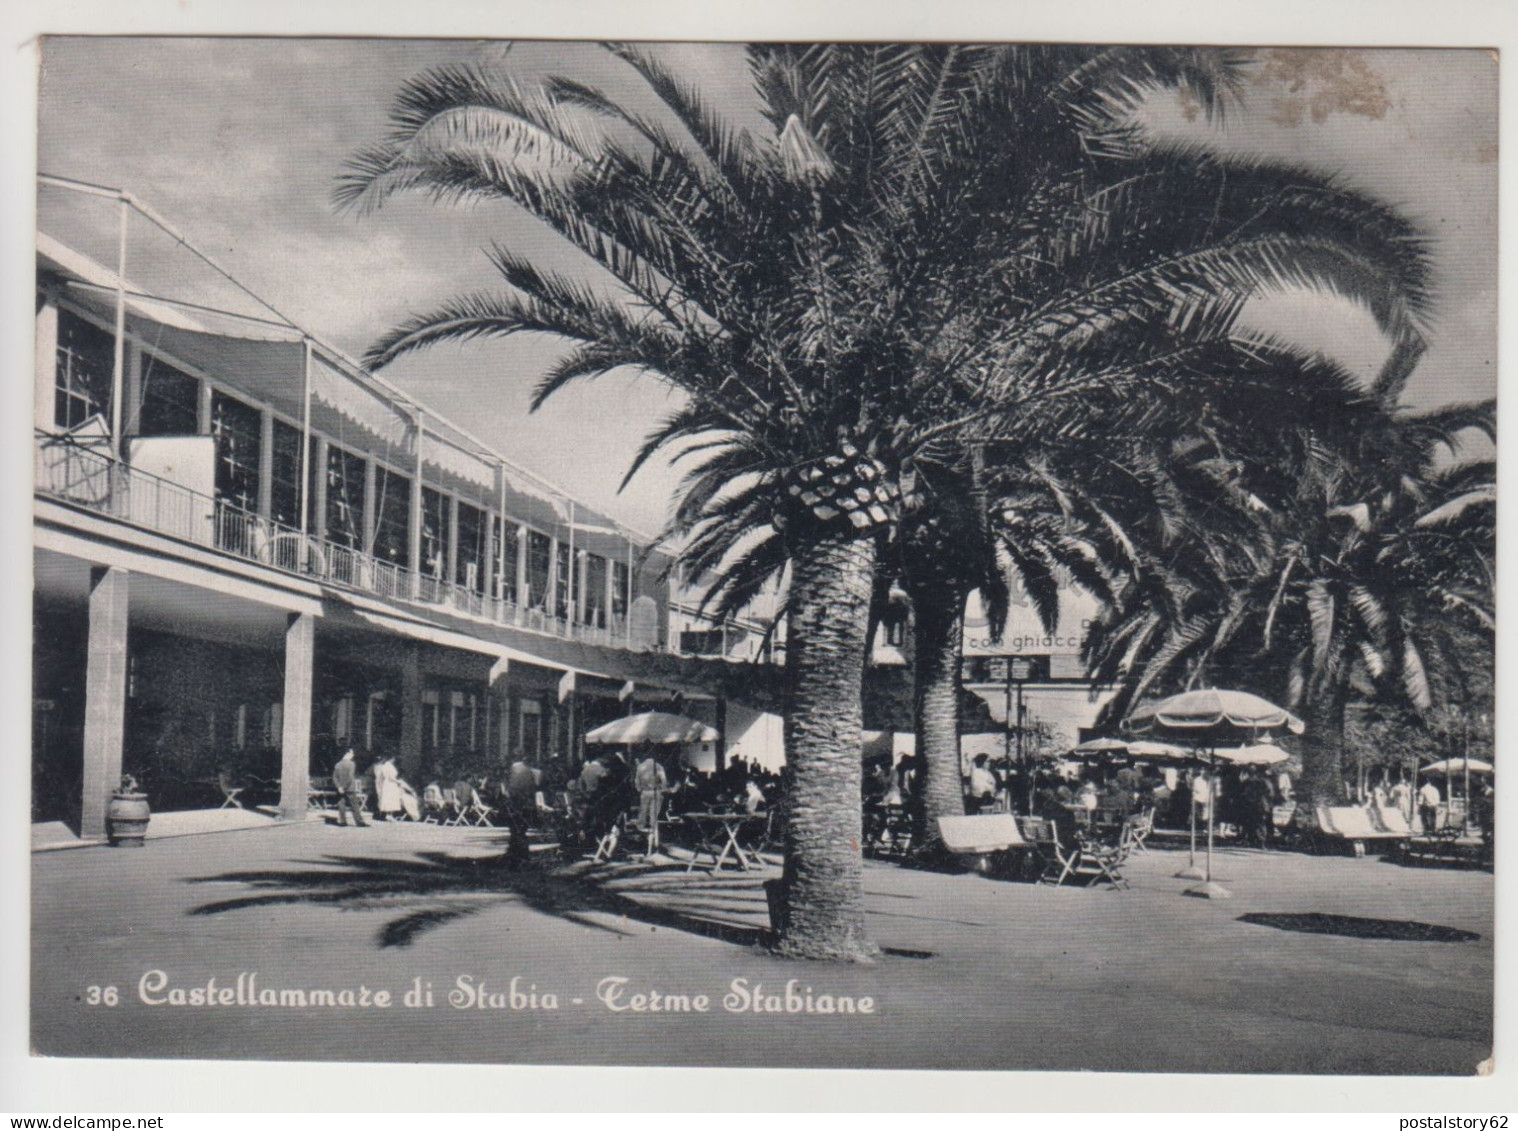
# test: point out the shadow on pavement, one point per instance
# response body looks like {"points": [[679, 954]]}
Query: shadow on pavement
{"points": [[432, 889], [1356, 927]]}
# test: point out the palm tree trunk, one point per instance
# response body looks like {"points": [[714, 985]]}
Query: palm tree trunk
{"points": [[1323, 749], [821, 897], [938, 634]]}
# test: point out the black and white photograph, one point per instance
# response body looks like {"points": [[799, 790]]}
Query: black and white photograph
{"points": [[915, 555]]}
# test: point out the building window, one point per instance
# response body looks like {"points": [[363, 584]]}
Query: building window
{"points": [[86, 362], [621, 588], [474, 526], [345, 497], [431, 724], [392, 522], [434, 533], [342, 719], [284, 476], [238, 428], [507, 582], [701, 642], [562, 581], [530, 729], [170, 400], [539, 550], [595, 590]]}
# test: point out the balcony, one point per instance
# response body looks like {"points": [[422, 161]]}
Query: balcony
{"points": [[87, 477]]}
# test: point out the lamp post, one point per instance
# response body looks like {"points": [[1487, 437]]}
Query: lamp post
{"points": [[1018, 671]]}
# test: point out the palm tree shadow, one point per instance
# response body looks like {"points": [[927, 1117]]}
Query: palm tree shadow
{"points": [[434, 889]]}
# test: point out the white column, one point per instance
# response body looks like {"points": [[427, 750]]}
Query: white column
{"points": [[45, 378], [132, 418], [105, 691], [118, 367], [522, 594], [582, 567], [265, 463], [203, 410], [371, 504], [295, 733], [318, 520], [305, 455], [414, 534], [551, 593], [451, 558]]}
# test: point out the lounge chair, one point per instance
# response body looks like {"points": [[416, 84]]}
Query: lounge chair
{"points": [[976, 840], [1354, 825]]}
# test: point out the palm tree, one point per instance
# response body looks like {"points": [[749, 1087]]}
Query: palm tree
{"points": [[1369, 561], [828, 301]]}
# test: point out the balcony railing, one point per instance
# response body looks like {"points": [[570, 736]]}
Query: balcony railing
{"points": [[89, 478]]}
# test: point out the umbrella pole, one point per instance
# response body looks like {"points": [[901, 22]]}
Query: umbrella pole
{"points": [[1212, 806], [1207, 889], [1191, 871]]}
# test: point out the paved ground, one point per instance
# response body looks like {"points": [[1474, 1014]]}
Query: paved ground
{"points": [[979, 974]]}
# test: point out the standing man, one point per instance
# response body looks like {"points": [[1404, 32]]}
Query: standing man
{"points": [[1428, 806], [345, 783], [521, 809], [651, 781]]}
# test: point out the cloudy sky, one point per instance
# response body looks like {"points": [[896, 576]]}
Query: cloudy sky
{"points": [[237, 142]]}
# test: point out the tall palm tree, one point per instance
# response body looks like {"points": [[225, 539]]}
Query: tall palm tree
{"points": [[828, 301]]}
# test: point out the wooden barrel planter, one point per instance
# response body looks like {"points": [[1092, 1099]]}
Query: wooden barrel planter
{"points": [[126, 818]]}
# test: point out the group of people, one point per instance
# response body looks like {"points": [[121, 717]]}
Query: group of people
{"points": [[582, 806]]}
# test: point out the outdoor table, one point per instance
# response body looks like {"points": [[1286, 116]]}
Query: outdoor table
{"points": [[718, 834]]}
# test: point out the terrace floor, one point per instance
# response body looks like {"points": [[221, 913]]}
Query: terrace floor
{"points": [[978, 973]]}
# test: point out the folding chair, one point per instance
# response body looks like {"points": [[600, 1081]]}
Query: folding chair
{"points": [[434, 805], [229, 791], [476, 812], [453, 812], [1087, 859], [610, 839], [1136, 830]]}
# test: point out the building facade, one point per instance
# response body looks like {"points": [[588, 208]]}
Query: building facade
{"points": [[250, 554]]}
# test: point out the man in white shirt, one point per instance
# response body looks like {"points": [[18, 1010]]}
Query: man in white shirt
{"points": [[1428, 806]]}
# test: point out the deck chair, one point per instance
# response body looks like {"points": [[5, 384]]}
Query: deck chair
{"points": [[229, 791], [476, 812], [1353, 824], [611, 838], [1087, 859], [320, 794], [1136, 830], [1394, 821], [453, 811], [434, 805]]}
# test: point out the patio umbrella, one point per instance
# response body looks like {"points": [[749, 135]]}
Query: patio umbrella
{"points": [[1210, 713], [1206, 719], [1140, 749], [1465, 767], [1102, 745], [1260, 754], [1457, 766], [658, 728], [1148, 750]]}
